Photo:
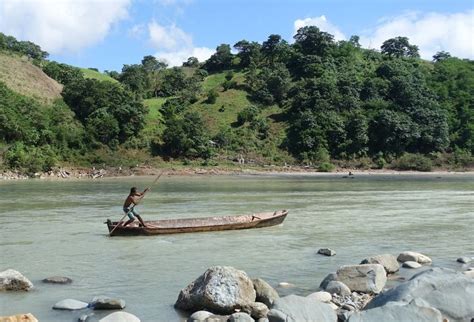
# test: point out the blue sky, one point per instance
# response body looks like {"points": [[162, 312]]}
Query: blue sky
{"points": [[107, 34]]}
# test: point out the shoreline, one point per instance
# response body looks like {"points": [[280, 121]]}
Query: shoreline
{"points": [[112, 172]]}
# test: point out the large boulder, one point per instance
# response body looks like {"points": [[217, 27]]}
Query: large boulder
{"points": [[28, 317], [388, 261], [120, 317], [415, 311], [264, 292], [414, 257], [451, 292], [293, 308], [11, 280], [366, 278], [221, 289]]}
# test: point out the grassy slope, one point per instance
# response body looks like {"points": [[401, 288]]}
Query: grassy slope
{"points": [[20, 75], [89, 73], [154, 120]]}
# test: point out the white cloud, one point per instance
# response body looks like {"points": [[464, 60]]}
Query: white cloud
{"points": [[431, 32], [322, 23], [61, 26], [174, 45]]}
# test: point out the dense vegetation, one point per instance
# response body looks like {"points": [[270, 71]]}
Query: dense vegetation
{"points": [[315, 101]]}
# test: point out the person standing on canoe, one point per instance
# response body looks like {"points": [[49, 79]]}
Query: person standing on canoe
{"points": [[129, 205]]}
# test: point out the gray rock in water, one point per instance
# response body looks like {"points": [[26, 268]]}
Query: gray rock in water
{"points": [[339, 288], [295, 308], [464, 260], [199, 316], [388, 261], [120, 317], [366, 278], [221, 289], [411, 264], [85, 317], [326, 252], [330, 277], [414, 257], [11, 280], [449, 291], [57, 280], [264, 292], [107, 303], [256, 310], [415, 311], [240, 317], [70, 304]]}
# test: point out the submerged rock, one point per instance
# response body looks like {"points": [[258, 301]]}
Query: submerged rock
{"points": [[326, 252], [388, 261], [367, 278], [464, 260], [293, 308], [57, 280], [414, 257], [221, 289], [451, 292], [107, 303], [70, 304], [264, 292], [11, 280]]}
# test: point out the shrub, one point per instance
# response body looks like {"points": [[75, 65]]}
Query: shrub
{"points": [[417, 162], [326, 167], [212, 96]]}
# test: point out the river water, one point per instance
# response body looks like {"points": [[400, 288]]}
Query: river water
{"points": [[56, 228]]}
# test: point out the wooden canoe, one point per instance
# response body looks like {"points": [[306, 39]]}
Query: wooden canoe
{"points": [[191, 225]]}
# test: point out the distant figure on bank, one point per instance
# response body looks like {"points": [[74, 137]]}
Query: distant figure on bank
{"points": [[129, 205]]}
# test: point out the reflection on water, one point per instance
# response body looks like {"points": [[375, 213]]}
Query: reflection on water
{"points": [[56, 228]]}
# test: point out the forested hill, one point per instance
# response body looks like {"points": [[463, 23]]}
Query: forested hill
{"points": [[313, 102]]}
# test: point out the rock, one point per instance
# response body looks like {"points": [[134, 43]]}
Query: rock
{"points": [[28, 317], [336, 287], [264, 292], [449, 291], [256, 310], [354, 301], [107, 303], [85, 317], [469, 273], [199, 316], [367, 278], [220, 289], [330, 277], [120, 317], [326, 252], [415, 311], [293, 308], [57, 280], [464, 260], [388, 261], [321, 296], [286, 285], [263, 320], [411, 264], [240, 317], [415, 257], [11, 280], [70, 304], [217, 318]]}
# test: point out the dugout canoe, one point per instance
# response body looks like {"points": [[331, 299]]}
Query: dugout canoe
{"points": [[192, 225]]}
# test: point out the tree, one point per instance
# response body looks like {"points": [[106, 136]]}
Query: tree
{"points": [[134, 78], [63, 73], [220, 60], [310, 40], [441, 55], [275, 49], [191, 62], [151, 64], [249, 52], [399, 47]]}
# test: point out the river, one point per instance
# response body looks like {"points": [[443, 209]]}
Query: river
{"points": [[56, 228]]}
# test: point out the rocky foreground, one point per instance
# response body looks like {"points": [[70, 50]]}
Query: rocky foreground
{"points": [[354, 293]]}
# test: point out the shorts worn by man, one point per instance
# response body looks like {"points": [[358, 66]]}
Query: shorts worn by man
{"points": [[128, 207]]}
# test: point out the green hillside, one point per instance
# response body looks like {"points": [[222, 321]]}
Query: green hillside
{"points": [[90, 73]]}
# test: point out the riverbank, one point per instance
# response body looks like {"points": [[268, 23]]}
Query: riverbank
{"points": [[170, 170]]}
